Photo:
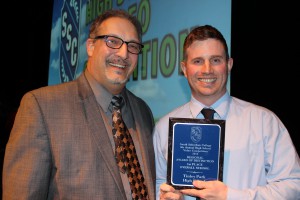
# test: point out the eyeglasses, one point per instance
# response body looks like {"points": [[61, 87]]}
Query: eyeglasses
{"points": [[116, 43]]}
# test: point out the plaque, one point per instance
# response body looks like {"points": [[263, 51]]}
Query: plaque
{"points": [[195, 151]]}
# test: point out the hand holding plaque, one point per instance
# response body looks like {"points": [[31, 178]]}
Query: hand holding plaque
{"points": [[195, 151]]}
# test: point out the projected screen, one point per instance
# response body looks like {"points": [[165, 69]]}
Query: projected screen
{"points": [[158, 78]]}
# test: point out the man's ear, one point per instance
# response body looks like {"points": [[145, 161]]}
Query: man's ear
{"points": [[230, 64], [90, 45], [183, 67]]}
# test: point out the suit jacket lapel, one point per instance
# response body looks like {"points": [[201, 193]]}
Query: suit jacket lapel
{"points": [[98, 130], [145, 140]]}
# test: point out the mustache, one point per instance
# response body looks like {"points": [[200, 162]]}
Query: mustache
{"points": [[119, 61]]}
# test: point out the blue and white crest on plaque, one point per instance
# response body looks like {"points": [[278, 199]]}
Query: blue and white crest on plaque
{"points": [[196, 134]]}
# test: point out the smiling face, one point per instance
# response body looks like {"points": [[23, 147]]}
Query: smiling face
{"points": [[112, 67], [206, 70]]}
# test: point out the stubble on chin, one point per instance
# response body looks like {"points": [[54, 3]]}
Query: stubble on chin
{"points": [[118, 81]]}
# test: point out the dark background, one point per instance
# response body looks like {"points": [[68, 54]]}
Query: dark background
{"points": [[264, 46]]}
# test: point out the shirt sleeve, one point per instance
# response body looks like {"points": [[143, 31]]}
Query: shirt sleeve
{"points": [[272, 162], [160, 140]]}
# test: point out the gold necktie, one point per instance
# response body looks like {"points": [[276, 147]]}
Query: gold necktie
{"points": [[125, 153]]}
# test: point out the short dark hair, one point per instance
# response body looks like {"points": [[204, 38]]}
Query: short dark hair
{"points": [[203, 33], [115, 13]]}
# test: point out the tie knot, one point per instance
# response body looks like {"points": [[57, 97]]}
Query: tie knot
{"points": [[117, 101], [208, 113]]}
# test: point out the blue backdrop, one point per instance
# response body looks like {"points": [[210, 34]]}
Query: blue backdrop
{"points": [[157, 79]]}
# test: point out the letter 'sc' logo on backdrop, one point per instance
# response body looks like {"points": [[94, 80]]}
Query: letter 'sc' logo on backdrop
{"points": [[69, 46]]}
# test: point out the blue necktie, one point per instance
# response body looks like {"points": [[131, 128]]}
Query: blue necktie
{"points": [[208, 113]]}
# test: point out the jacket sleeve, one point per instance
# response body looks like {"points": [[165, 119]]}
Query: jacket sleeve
{"points": [[27, 162]]}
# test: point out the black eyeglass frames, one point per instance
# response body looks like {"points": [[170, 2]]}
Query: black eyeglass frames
{"points": [[116, 43]]}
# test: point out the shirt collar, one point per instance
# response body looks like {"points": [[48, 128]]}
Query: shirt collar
{"points": [[103, 97], [221, 106]]}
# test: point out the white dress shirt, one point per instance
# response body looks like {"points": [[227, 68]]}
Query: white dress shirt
{"points": [[260, 159]]}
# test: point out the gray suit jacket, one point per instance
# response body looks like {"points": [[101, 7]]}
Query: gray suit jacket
{"points": [[59, 147]]}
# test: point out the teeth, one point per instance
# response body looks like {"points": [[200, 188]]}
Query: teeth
{"points": [[207, 80], [117, 65]]}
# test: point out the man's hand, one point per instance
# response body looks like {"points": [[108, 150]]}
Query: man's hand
{"points": [[167, 192], [209, 190]]}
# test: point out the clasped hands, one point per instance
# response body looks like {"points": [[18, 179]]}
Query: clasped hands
{"points": [[209, 190]]}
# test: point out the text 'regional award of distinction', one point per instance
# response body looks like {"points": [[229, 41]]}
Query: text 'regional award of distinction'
{"points": [[195, 151]]}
